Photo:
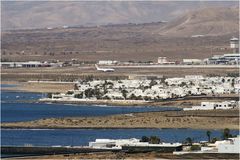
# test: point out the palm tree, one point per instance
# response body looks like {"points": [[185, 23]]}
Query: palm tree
{"points": [[209, 135], [154, 140], [144, 139], [189, 141], [226, 133], [124, 93]]}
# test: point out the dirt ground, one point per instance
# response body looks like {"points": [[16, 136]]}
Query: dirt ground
{"points": [[39, 87], [139, 156], [76, 73], [216, 119], [123, 43]]}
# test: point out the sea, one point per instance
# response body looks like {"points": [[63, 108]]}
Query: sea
{"points": [[23, 106]]}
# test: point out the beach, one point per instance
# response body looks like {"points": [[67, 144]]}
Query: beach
{"points": [[38, 87]]}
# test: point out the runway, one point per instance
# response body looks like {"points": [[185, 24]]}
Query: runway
{"points": [[175, 66]]}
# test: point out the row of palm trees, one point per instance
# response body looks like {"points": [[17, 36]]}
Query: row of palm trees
{"points": [[225, 135], [155, 140]]}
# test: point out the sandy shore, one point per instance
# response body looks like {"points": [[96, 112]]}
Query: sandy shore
{"points": [[178, 103], [218, 119], [38, 87]]}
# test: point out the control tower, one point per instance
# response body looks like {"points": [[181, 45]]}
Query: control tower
{"points": [[234, 44]]}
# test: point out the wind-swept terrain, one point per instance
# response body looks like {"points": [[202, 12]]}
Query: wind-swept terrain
{"points": [[175, 119], [216, 21], [175, 39]]}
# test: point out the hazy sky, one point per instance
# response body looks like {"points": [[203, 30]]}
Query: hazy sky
{"points": [[24, 14]]}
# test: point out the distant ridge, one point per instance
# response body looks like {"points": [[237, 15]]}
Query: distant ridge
{"points": [[208, 22], [51, 14]]}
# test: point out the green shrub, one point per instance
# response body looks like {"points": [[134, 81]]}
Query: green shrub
{"points": [[195, 148]]}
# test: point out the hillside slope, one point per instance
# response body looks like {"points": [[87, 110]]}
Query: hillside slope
{"points": [[42, 14], [210, 21], [142, 42]]}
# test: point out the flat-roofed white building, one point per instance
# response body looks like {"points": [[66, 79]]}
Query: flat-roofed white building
{"points": [[231, 145], [163, 60], [230, 58], [214, 105], [107, 62], [112, 143], [134, 144], [192, 61], [24, 64]]}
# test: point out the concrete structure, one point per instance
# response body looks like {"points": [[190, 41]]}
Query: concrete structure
{"points": [[163, 60], [192, 61], [134, 145], [223, 59], [230, 145], [214, 105], [29, 64], [107, 62], [112, 143], [11, 64], [234, 44]]}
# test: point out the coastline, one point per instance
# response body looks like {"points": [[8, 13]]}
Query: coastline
{"points": [[64, 87], [37, 87], [215, 119], [171, 119], [178, 103]]}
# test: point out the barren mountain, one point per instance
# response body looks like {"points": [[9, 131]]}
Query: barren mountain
{"points": [[138, 42], [209, 21], [42, 14]]}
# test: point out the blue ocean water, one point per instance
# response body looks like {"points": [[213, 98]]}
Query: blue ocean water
{"points": [[18, 97], [8, 85], [81, 137], [12, 112], [14, 108]]}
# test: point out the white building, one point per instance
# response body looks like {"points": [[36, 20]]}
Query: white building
{"points": [[233, 58], [213, 105], [192, 61], [112, 143], [28, 64], [163, 60], [234, 44], [158, 89], [133, 142], [107, 62], [231, 145]]}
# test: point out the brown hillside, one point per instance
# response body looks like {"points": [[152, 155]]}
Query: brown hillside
{"points": [[142, 42], [210, 21]]}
